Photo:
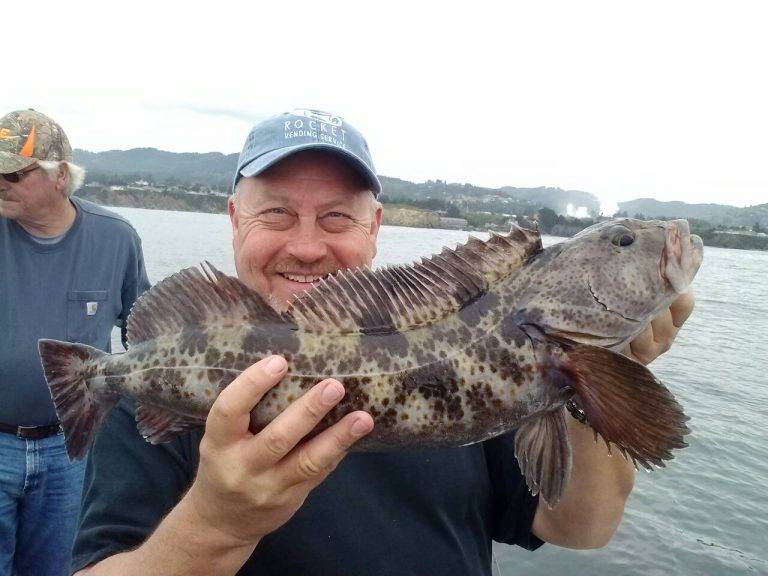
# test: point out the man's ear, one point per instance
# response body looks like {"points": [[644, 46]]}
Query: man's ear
{"points": [[375, 226], [232, 209], [62, 177]]}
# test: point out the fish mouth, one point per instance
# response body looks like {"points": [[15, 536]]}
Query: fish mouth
{"points": [[681, 256]]}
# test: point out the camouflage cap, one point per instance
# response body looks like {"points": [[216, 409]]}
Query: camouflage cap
{"points": [[27, 136]]}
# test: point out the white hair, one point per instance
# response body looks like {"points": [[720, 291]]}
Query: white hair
{"points": [[75, 174]]}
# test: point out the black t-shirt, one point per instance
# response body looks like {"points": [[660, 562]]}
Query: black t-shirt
{"points": [[399, 513]]}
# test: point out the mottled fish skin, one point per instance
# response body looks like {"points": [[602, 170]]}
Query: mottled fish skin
{"points": [[423, 388], [463, 378], [590, 290], [456, 349]]}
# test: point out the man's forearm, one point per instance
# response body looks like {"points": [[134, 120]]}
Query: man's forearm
{"points": [[181, 545], [594, 499]]}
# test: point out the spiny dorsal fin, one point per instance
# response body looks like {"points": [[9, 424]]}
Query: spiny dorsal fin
{"points": [[196, 298], [404, 297], [500, 255]]}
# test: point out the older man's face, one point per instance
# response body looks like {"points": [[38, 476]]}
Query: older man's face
{"points": [[306, 217], [29, 198]]}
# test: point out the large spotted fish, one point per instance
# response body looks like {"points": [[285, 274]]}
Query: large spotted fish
{"points": [[456, 349]]}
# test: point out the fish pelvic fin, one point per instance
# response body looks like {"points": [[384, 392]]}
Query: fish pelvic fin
{"points": [[157, 425], [67, 369], [543, 451], [622, 400]]}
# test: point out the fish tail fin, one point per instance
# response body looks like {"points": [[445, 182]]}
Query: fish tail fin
{"points": [[80, 410], [625, 404]]}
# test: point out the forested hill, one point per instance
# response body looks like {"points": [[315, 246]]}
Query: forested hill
{"points": [[203, 173], [716, 214], [191, 169], [213, 171]]}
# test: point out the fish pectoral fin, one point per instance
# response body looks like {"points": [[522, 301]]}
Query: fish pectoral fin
{"points": [[157, 425], [623, 402], [543, 451]]}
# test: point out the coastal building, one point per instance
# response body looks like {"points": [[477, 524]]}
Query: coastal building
{"points": [[453, 223]]}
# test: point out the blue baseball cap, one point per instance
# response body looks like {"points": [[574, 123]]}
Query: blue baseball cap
{"points": [[280, 136]]}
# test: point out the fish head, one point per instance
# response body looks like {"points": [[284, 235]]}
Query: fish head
{"points": [[606, 283]]}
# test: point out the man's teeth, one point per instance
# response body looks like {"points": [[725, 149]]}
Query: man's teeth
{"points": [[303, 278]]}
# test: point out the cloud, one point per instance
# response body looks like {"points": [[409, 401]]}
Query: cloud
{"points": [[247, 116]]}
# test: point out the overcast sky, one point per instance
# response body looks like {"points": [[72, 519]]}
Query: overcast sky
{"points": [[622, 99]]}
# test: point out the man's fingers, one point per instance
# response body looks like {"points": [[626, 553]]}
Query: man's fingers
{"points": [[281, 435], [663, 327], [658, 336], [643, 347], [230, 414], [313, 460], [682, 308]]}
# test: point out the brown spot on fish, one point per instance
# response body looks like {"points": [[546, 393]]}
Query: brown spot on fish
{"points": [[173, 380], [220, 378], [212, 356], [511, 332], [383, 347], [227, 361], [474, 312], [388, 419], [193, 341]]}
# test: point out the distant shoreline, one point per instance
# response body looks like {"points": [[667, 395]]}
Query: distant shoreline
{"points": [[393, 215]]}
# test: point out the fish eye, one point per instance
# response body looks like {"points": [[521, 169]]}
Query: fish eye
{"points": [[623, 237]]}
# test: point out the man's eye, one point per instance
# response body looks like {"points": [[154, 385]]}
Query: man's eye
{"points": [[273, 214], [276, 217], [335, 221]]}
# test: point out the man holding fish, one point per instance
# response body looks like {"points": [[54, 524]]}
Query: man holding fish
{"points": [[274, 489]]}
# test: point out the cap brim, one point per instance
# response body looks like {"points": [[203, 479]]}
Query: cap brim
{"points": [[13, 162], [258, 165]]}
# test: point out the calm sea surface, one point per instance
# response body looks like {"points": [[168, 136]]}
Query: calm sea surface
{"points": [[707, 512]]}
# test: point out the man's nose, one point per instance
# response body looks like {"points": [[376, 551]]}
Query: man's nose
{"points": [[307, 244]]}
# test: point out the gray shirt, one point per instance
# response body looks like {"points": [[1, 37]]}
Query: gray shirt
{"points": [[74, 290]]}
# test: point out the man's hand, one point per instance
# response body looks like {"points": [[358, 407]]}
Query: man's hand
{"points": [[658, 336], [249, 485]]}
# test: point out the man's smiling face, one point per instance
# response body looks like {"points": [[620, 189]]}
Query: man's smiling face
{"points": [[300, 220]]}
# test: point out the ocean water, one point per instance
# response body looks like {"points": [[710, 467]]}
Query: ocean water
{"points": [[707, 511]]}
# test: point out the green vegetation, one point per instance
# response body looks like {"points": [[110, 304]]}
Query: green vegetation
{"points": [[166, 200], [720, 236], [730, 217], [150, 178]]}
